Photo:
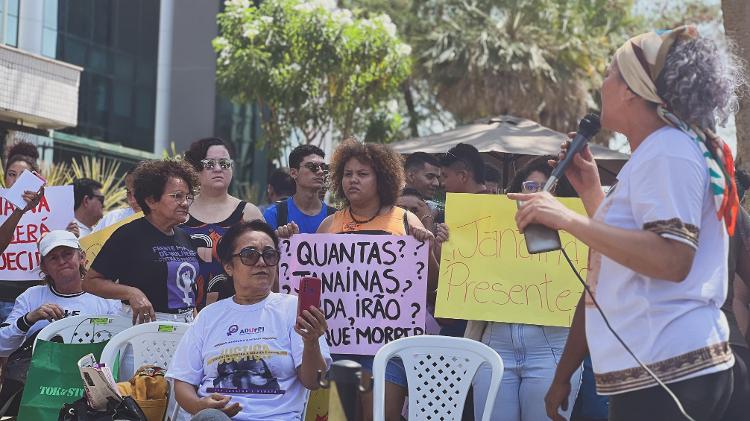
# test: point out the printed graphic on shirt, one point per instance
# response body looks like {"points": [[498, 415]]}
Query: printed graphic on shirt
{"points": [[244, 369], [205, 239], [182, 270]]}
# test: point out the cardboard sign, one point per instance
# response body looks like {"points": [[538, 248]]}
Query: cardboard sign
{"points": [[20, 261], [486, 272], [92, 244], [374, 286]]}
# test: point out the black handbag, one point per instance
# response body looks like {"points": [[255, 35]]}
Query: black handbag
{"points": [[125, 410]]}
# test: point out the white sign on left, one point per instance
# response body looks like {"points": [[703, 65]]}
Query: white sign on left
{"points": [[20, 261]]}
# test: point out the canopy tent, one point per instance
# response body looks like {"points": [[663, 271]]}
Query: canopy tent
{"points": [[509, 142]]}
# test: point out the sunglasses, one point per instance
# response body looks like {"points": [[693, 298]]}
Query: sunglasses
{"points": [[314, 166], [224, 163], [249, 256]]}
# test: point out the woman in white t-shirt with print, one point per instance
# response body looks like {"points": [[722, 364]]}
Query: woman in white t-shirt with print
{"points": [[246, 357], [60, 296], [659, 239]]}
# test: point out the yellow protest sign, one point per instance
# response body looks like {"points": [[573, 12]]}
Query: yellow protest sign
{"points": [[93, 242], [486, 273]]}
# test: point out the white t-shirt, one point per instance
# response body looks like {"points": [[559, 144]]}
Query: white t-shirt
{"points": [[83, 229], [677, 328], [14, 333], [248, 352], [113, 217]]}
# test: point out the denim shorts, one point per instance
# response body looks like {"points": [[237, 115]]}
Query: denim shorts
{"points": [[394, 371]]}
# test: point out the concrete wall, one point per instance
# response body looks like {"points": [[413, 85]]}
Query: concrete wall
{"points": [[192, 79]]}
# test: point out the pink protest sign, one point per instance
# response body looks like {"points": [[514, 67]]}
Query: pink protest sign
{"points": [[374, 286]]}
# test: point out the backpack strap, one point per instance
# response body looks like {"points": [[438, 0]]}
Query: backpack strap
{"points": [[282, 213]]}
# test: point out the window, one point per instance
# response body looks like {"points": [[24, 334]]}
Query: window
{"points": [[9, 22], [49, 29], [116, 42]]}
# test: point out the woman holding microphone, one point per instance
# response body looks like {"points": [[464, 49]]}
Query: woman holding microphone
{"points": [[659, 238]]}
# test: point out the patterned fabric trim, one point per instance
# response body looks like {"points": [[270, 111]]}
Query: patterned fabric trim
{"points": [[667, 370], [674, 227]]}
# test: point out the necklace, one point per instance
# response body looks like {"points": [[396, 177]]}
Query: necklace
{"points": [[355, 223]]}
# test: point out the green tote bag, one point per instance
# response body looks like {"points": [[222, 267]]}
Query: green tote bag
{"points": [[53, 379]]}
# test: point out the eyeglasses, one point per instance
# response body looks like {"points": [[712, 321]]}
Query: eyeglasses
{"points": [[181, 197], [99, 197], [224, 163], [532, 186], [315, 166], [249, 256]]}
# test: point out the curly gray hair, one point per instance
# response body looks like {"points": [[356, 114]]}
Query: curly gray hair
{"points": [[700, 81]]}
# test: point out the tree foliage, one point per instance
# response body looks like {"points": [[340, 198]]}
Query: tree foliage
{"points": [[539, 59], [315, 68]]}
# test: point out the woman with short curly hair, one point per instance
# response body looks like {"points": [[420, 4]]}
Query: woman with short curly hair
{"points": [[659, 238], [368, 178], [142, 261]]}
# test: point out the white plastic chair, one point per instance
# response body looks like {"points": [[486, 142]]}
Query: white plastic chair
{"points": [[84, 329], [153, 343], [439, 370]]}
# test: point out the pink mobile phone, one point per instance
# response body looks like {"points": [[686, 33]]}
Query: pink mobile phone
{"points": [[309, 294]]}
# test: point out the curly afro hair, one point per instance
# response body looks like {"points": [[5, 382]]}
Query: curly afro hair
{"points": [[151, 177], [387, 164], [23, 151]]}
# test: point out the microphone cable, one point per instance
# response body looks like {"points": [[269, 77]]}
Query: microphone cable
{"points": [[627, 348]]}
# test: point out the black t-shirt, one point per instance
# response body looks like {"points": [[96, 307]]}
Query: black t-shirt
{"points": [[163, 267]]}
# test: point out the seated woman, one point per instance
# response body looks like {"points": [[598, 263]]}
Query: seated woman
{"points": [[150, 263], [62, 296], [250, 357]]}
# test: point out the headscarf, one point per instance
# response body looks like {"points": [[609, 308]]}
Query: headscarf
{"points": [[641, 60]]}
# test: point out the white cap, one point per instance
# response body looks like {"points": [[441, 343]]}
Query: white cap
{"points": [[57, 238]]}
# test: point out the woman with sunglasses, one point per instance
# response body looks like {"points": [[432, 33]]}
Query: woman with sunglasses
{"points": [[368, 177], [525, 379], [212, 213], [250, 357], [142, 261]]}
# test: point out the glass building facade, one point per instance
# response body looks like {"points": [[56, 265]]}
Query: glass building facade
{"points": [[116, 42], [9, 22]]}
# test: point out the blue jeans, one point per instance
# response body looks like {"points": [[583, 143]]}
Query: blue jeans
{"points": [[5, 308], [530, 354]]}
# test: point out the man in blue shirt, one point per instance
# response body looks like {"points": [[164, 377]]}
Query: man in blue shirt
{"points": [[304, 208]]}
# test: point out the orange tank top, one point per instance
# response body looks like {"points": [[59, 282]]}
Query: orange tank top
{"points": [[392, 222]]}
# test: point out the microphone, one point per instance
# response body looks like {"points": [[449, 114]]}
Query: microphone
{"points": [[587, 128]]}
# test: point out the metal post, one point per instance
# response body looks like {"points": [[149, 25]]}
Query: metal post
{"points": [[345, 382]]}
